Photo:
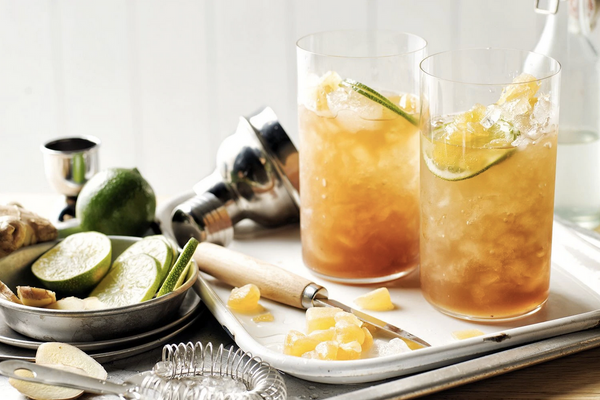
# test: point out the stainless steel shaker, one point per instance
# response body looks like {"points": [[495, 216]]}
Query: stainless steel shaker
{"points": [[256, 177]]}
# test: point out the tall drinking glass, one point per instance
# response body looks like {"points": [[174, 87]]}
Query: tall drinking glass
{"points": [[359, 153], [488, 158]]}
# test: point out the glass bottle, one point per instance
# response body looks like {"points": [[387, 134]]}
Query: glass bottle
{"points": [[568, 36]]}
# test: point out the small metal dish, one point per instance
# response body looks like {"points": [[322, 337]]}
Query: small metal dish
{"points": [[82, 326]]}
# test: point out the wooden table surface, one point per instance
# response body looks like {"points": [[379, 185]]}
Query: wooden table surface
{"points": [[573, 377]]}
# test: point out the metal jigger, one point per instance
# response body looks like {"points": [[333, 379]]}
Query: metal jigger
{"points": [[69, 163], [256, 178]]}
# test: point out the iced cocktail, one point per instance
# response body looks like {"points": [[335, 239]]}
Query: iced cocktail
{"points": [[488, 156], [359, 154]]}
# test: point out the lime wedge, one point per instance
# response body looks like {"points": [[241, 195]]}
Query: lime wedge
{"points": [[75, 265], [179, 268], [153, 246], [130, 281], [183, 276], [377, 97], [455, 163]]}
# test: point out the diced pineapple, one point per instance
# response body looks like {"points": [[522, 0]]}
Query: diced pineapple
{"points": [[327, 84], [244, 299], [327, 350], [348, 317], [349, 351], [524, 87], [466, 334], [266, 317], [297, 343], [323, 335], [368, 342], [346, 332], [376, 300], [321, 318]]}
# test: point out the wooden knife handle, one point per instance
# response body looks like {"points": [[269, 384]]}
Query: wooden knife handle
{"points": [[238, 269]]}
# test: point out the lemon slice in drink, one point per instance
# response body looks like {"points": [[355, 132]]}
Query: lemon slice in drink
{"points": [[131, 280], [75, 265], [153, 246]]}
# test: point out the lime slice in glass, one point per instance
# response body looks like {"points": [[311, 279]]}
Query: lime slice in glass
{"points": [[131, 280], [455, 163], [463, 147], [377, 97]]}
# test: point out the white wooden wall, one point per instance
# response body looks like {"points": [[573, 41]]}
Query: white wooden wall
{"points": [[162, 82]]}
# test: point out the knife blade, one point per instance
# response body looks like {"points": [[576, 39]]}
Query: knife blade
{"points": [[278, 284], [374, 322]]}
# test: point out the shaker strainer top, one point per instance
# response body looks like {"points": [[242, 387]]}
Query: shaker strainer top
{"points": [[209, 374]]}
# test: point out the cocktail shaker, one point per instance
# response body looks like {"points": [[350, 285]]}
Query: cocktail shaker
{"points": [[256, 178]]}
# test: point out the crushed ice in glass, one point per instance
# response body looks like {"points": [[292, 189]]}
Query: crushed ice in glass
{"points": [[345, 99], [492, 115]]}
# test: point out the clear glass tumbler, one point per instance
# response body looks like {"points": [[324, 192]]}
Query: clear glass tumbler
{"points": [[488, 161], [359, 153]]}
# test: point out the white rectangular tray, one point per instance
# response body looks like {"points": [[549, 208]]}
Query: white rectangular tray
{"points": [[573, 305]]}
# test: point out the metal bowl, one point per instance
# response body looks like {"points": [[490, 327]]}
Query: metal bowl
{"points": [[82, 326]]}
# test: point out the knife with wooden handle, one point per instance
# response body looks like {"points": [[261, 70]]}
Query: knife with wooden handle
{"points": [[280, 285]]}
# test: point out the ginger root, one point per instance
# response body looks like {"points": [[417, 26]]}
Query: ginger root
{"points": [[35, 297], [20, 227], [7, 294]]}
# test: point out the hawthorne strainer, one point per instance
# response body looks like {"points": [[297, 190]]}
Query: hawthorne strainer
{"points": [[187, 372], [219, 373]]}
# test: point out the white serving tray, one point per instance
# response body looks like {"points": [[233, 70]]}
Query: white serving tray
{"points": [[573, 305]]}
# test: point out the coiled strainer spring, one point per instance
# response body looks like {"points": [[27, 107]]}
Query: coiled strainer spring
{"points": [[201, 372]]}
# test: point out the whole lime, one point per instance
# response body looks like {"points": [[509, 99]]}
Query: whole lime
{"points": [[116, 201]]}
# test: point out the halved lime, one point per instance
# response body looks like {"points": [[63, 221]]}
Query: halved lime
{"points": [[172, 245], [377, 97], [130, 281], [179, 268], [75, 265], [153, 246]]}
